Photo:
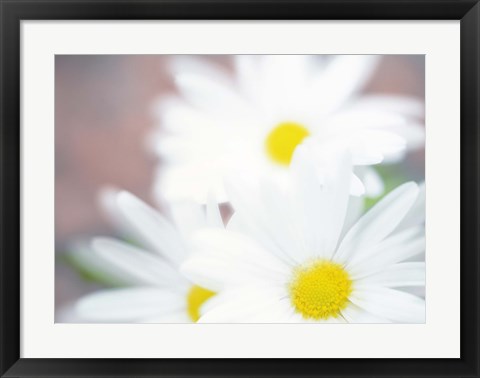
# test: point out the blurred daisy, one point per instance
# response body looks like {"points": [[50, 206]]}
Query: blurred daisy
{"points": [[156, 291], [276, 103], [286, 257]]}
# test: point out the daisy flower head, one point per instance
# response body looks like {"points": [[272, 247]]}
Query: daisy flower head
{"points": [[254, 121], [153, 290], [286, 256]]}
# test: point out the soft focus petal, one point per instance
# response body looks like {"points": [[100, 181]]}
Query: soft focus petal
{"points": [[143, 266], [398, 275], [128, 305], [391, 304], [322, 197], [343, 77], [227, 258], [379, 222]]}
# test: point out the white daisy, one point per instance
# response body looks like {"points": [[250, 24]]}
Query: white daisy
{"points": [[154, 289], [286, 257], [276, 102]]}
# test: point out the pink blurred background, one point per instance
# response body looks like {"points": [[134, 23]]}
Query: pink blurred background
{"points": [[103, 117]]}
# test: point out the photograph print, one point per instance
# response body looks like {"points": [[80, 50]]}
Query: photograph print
{"points": [[240, 189]]}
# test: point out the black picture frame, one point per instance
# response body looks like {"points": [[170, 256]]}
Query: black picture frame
{"points": [[14, 11]]}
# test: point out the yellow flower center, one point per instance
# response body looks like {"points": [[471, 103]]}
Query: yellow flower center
{"points": [[282, 141], [196, 297], [320, 290]]}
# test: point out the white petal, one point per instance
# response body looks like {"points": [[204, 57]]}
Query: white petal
{"points": [[401, 115], [228, 245], [391, 251], [379, 222], [344, 76], [180, 316], [418, 291], [188, 217], [355, 314], [279, 311], [193, 181], [357, 119], [248, 75], [126, 305], [227, 258], [398, 275], [353, 123], [214, 218], [392, 304], [355, 210], [244, 305], [276, 211], [191, 64], [412, 132], [84, 258], [364, 151], [153, 228], [416, 215], [211, 274], [372, 142], [141, 265], [240, 224], [322, 195], [107, 198], [253, 217], [399, 246], [357, 188], [214, 97], [407, 106], [177, 117], [283, 78], [373, 182], [366, 156]]}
